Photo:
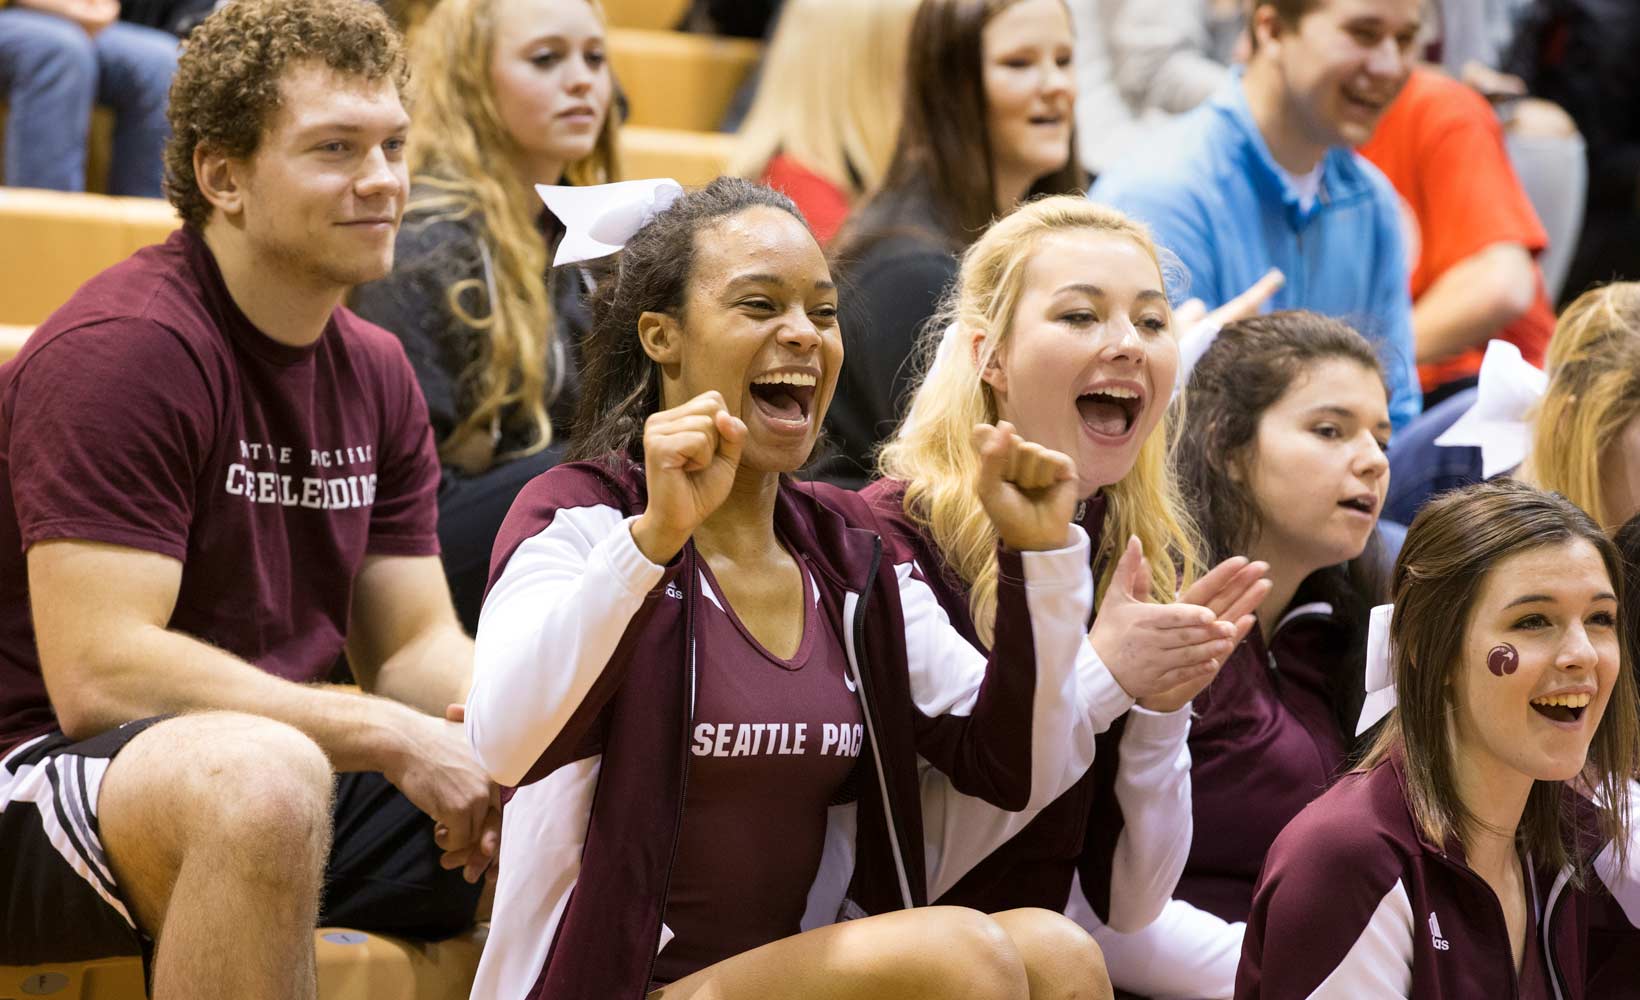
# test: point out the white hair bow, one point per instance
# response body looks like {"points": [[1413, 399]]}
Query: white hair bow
{"points": [[599, 218], [1380, 672], [1496, 424]]}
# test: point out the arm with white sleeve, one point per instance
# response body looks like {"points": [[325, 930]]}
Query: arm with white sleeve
{"points": [[550, 626]]}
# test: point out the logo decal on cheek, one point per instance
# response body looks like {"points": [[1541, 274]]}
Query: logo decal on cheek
{"points": [[1503, 659]]}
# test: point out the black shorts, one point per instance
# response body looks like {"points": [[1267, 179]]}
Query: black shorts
{"points": [[59, 901]]}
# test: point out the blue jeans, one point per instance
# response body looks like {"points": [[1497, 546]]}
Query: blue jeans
{"points": [[52, 72]]}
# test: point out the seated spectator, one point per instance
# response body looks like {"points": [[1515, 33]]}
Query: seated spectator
{"points": [[1139, 63], [1474, 277], [1265, 175], [214, 478], [60, 57], [987, 124], [1027, 342], [822, 126], [1493, 816], [513, 93], [676, 580], [1282, 456], [1576, 433]]}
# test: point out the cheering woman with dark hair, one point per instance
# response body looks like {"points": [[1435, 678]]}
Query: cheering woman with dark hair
{"points": [[1463, 858], [1282, 458], [711, 690], [986, 125]]}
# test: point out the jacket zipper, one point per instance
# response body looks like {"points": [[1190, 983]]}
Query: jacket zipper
{"points": [[683, 770], [855, 637], [1544, 928], [1497, 909]]}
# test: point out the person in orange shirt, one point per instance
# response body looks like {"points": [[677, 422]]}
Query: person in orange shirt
{"points": [[1475, 236]]}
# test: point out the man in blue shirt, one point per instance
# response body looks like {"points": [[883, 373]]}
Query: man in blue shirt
{"points": [[1265, 175]]}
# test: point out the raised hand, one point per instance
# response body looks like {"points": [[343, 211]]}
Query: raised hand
{"points": [[1028, 491], [1158, 652], [690, 455], [1248, 303]]}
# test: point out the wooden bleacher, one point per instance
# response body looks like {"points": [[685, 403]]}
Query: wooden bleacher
{"points": [[657, 15], [673, 79], [51, 242], [353, 965]]}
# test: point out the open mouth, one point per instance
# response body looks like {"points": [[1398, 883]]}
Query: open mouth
{"points": [[1363, 103], [1366, 505], [785, 397], [1109, 412], [1047, 119], [1563, 708]]}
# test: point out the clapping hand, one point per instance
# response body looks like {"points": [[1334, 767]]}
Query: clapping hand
{"points": [[1164, 654]]}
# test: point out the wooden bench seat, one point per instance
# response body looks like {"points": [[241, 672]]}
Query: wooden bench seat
{"points": [[353, 965], [677, 80], [51, 242]]}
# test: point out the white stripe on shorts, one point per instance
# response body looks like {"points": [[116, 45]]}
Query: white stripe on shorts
{"points": [[78, 780]]}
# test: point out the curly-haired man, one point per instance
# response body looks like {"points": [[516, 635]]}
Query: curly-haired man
{"points": [[212, 478]]}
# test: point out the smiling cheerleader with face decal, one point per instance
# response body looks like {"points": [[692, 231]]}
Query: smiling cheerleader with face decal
{"points": [[1493, 811]]}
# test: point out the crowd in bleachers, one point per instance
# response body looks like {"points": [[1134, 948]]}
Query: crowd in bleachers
{"points": [[1057, 498]]}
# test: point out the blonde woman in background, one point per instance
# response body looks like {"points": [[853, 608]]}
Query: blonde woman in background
{"points": [[1579, 436], [822, 126], [512, 93]]}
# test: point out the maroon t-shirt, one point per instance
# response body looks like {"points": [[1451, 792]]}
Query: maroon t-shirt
{"points": [[148, 412], [774, 742]]}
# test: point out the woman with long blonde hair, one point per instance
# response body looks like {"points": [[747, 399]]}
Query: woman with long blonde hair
{"points": [[1577, 432], [1060, 326], [511, 93], [1586, 430], [827, 111]]}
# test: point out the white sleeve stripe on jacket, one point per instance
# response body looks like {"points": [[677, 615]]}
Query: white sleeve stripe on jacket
{"points": [[1379, 965], [1153, 790], [1075, 700], [1184, 954], [1624, 882], [564, 599]]}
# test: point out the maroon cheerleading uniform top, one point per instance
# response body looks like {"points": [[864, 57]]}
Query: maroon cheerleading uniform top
{"points": [[773, 744], [148, 412], [1264, 744]]}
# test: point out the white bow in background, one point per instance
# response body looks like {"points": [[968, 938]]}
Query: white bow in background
{"points": [[598, 219], [1497, 423]]}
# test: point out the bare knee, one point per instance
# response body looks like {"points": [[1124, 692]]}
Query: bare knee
{"points": [[972, 953], [1062, 961], [218, 782], [265, 795], [228, 795]]}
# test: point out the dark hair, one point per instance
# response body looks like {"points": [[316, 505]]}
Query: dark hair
{"points": [[226, 86], [1290, 12], [1627, 541], [619, 386], [942, 158], [1249, 366], [1454, 542]]}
